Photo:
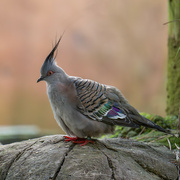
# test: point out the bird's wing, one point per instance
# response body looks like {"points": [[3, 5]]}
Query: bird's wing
{"points": [[98, 103]]}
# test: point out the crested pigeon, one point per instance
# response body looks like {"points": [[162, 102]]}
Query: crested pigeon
{"points": [[84, 108]]}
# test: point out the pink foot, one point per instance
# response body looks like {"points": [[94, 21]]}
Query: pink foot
{"points": [[77, 140]]}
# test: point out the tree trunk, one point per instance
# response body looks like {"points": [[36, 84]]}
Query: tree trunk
{"points": [[109, 159], [173, 83]]}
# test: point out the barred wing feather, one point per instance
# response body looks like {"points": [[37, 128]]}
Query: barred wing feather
{"points": [[96, 105]]}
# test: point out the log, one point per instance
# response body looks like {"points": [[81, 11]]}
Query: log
{"points": [[49, 157]]}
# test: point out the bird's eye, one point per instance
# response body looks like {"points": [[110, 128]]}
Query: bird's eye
{"points": [[50, 73]]}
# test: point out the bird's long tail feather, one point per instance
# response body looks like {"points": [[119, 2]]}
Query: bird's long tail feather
{"points": [[152, 125]]}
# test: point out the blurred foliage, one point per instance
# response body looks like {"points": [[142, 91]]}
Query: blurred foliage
{"points": [[173, 65], [150, 135]]}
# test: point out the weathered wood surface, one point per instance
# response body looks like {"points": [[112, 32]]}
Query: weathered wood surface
{"points": [[51, 158]]}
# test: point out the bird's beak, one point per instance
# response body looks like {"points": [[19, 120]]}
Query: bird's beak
{"points": [[40, 79]]}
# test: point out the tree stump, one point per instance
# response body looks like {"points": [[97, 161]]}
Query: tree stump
{"points": [[50, 157]]}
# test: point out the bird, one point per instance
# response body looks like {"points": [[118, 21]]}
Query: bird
{"points": [[84, 108]]}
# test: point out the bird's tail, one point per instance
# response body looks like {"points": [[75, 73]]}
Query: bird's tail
{"points": [[152, 125], [142, 121]]}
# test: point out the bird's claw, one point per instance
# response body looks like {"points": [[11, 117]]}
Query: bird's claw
{"points": [[67, 138], [77, 140]]}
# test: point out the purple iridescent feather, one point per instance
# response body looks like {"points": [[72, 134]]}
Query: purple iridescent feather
{"points": [[115, 113]]}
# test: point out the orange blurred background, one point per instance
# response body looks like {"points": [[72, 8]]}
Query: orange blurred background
{"points": [[120, 43]]}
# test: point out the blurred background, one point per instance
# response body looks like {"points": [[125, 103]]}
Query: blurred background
{"points": [[120, 43]]}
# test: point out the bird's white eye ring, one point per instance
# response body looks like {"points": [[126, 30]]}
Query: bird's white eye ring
{"points": [[49, 73]]}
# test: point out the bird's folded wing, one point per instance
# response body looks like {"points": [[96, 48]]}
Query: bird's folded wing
{"points": [[97, 104]]}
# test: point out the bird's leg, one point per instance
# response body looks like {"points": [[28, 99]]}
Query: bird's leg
{"points": [[77, 140]]}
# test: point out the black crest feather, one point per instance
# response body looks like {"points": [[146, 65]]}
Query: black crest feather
{"points": [[50, 57]]}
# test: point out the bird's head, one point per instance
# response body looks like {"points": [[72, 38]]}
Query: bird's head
{"points": [[49, 69]]}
